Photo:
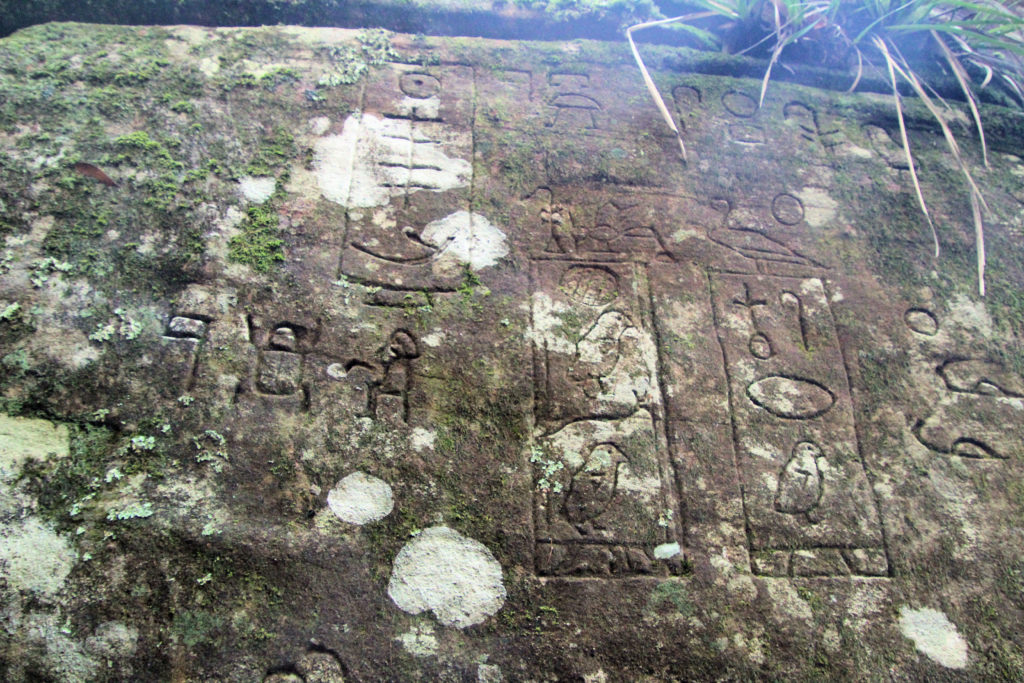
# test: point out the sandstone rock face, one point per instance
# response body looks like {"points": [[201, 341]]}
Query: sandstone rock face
{"points": [[386, 357]]}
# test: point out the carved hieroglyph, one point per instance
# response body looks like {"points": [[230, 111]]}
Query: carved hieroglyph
{"points": [[604, 490], [807, 502]]}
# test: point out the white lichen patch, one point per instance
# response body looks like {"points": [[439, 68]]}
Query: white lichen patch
{"points": [[419, 641], [666, 550], [455, 577], [23, 439], [819, 207], [45, 638], [224, 228], [334, 160], [547, 318], [113, 640], [35, 559], [684, 234], [209, 66], [786, 602], [971, 315], [257, 189], [375, 159], [489, 673], [464, 238], [570, 444], [59, 342], [434, 339], [361, 499], [319, 125], [423, 439], [934, 635]]}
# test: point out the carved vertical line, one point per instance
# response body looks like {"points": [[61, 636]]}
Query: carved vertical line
{"points": [[532, 418], [732, 415], [683, 522], [473, 141], [858, 431], [345, 219]]}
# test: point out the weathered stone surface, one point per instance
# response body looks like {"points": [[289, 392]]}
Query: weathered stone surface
{"points": [[611, 415]]}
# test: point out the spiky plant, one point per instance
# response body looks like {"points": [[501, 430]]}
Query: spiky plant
{"points": [[976, 40]]}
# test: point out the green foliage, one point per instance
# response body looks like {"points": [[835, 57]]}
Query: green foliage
{"points": [[375, 45], [625, 11], [347, 67], [196, 627], [259, 245], [131, 511], [273, 154], [183, 107], [955, 34], [276, 77], [350, 64], [471, 291], [674, 594]]}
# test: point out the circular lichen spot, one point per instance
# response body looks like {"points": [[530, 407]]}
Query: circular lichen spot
{"points": [[455, 577], [935, 636], [361, 499]]}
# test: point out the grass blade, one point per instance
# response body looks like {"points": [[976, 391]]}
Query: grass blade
{"points": [[860, 69], [977, 199], [651, 87], [890, 63], [947, 133], [776, 51], [961, 77], [979, 241]]}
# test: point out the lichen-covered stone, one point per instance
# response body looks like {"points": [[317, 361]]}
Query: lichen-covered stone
{"points": [[609, 415]]}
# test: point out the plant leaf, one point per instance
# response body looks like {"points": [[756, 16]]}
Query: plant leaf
{"points": [[890, 62], [961, 77], [977, 199], [979, 241], [651, 87]]}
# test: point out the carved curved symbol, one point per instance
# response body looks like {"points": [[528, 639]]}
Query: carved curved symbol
{"points": [[761, 346], [559, 222], [787, 209], [739, 104], [419, 86], [686, 95], [886, 147], [583, 106], [921, 321], [593, 487], [791, 397], [801, 484], [283, 339], [744, 232], [980, 377], [944, 436], [804, 117], [590, 286], [599, 350]]}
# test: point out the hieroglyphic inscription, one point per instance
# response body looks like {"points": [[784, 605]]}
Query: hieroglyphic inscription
{"points": [[893, 154], [610, 227], [761, 236], [572, 130], [572, 102], [182, 341], [280, 350], [807, 502], [982, 397], [412, 167], [742, 129], [604, 496], [809, 124]]}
